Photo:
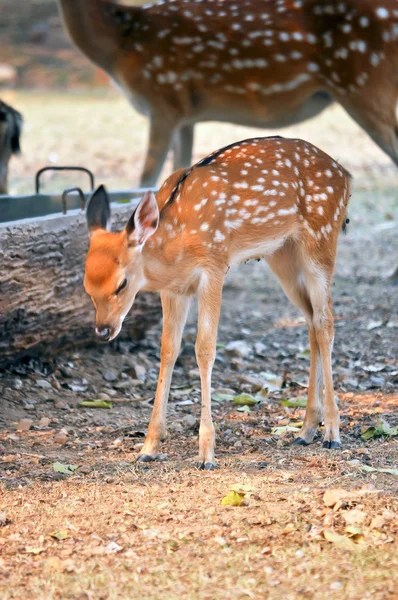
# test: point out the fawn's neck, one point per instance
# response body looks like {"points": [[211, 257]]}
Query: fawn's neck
{"points": [[171, 259]]}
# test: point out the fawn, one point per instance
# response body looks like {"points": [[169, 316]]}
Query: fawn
{"points": [[266, 63], [281, 199]]}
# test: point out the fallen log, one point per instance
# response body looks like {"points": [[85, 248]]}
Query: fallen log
{"points": [[43, 305]]}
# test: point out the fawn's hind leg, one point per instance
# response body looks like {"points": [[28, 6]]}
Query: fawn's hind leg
{"points": [[318, 285], [289, 274]]}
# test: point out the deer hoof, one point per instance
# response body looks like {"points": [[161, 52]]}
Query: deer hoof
{"points": [[152, 458], [207, 466], [331, 444], [299, 441]]}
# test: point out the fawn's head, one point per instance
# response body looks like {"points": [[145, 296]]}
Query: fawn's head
{"points": [[114, 268]]}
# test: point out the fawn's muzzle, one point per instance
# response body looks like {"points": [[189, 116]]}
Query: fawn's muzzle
{"points": [[103, 333]]}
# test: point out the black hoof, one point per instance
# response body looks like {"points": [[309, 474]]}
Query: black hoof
{"points": [[331, 445], [299, 441], [209, 466], [152, 458]]}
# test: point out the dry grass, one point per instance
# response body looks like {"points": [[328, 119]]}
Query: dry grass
{"points": [[164, 534]]}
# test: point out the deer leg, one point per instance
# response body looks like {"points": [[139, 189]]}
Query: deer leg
{"points": [[378, 120], [160, 138], [289, 273], [175, 311], [209, 313], [314, 411], [182, 147], [324, 331]]}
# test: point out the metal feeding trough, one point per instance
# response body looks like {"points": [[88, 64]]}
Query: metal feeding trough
{"points": [[43, 243], [31, 206]]}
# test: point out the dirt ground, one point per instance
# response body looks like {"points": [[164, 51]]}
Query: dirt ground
{"points": [[114, 529]]}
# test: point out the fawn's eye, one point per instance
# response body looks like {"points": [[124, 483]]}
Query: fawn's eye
{"points": [[121, 287]]}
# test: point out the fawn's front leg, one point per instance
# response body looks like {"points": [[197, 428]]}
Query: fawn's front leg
{"points": [[209, 298], [175, 311]]}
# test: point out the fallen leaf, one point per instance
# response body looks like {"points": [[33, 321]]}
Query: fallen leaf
{"points": [[245, 409], [96, 404], [304, 354], [56, 564], [299, 402], [65, 469], [340, 540], [283, 429], [332, 497], [354, 517], [32, 550], [60, 535], [379, 431], [245, 400], [233, 499], [373, 469]]}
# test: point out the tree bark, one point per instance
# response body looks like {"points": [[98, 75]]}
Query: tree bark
{"points": [[43, 304]]}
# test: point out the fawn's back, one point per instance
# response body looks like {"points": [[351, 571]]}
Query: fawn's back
{"points": [[245, 200]]}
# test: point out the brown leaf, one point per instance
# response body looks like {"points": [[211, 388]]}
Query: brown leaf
{"points": [[56, 564], [354, 517], [332, 497]]}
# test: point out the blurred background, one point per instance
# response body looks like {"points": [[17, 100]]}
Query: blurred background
{"points": [[73, 114]]}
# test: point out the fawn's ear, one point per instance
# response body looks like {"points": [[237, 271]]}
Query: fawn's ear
{"points": [[98, 211], [144, 221]]}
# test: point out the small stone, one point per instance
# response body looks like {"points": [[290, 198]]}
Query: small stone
{"points": [[44, 422], [103, 396], [238, 444], [254, 382], [66, 372], [24, 425], [176, 427], [377, 381], [61, 436], [17, 384], [29, 405], [238, 348], [259, 348], [189, 422], [124, 385], [42, 383], [336, 585], [110, 375]]}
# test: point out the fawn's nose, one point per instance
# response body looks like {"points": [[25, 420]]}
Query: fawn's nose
{"points": [[103, 333]]}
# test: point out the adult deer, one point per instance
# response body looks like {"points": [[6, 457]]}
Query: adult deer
{"points": [[276, 198], [10, 132], [263, 63]]}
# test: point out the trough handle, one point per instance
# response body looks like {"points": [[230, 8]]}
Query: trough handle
{"points": [[83, 169], [68, 191]]}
